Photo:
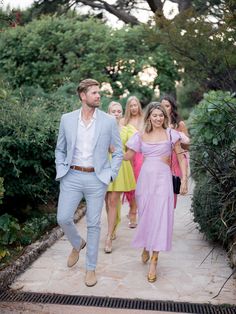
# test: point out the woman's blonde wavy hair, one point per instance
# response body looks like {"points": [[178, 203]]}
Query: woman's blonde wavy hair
{"points": [[127, 114], [113, 103]]}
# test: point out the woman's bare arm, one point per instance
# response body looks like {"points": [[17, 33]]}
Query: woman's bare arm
{"points": [[182, 128], [129, 154], [183, 167]]}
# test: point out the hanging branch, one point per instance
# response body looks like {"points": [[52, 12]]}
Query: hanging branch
{"points": [[233, 272]]}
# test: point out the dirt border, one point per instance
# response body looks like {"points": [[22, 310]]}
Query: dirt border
{"points": [[32, 252]]}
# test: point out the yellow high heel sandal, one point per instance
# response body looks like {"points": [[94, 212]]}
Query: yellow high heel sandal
{"points": [[153, 277], [145, 256]]}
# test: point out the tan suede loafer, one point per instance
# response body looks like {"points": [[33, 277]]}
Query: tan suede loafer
{"points": [[90, 278], [74, 255]]}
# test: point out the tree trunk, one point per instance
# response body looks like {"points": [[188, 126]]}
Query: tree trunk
{"points": [[155, 5], [120, 14]]}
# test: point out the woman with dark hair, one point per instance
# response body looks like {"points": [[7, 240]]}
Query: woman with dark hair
{"points": [[154, 190], [172, 110], [177, 124]]}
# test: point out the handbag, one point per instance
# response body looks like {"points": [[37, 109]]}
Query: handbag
{"points": [[176, 184], [175, 179]]}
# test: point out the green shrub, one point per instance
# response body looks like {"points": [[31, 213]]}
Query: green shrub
{"points": [[9, 230], [35, 227], [213, 155], [64, 99], [14, 236], [51, 51], [27, 151], [27, 141]]}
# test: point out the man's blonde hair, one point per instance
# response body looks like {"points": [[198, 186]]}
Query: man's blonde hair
{"points": [[85, 85]]}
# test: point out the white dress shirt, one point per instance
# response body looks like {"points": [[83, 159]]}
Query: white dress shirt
{"points": [[83, 152]]}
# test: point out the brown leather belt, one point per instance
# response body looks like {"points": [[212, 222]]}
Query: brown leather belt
{"points": [[84, 169]]}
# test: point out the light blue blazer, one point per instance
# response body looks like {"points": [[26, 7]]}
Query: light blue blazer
{"points": [[106, 133]]}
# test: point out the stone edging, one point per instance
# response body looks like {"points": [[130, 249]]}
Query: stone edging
{"points": [[32, 252]]}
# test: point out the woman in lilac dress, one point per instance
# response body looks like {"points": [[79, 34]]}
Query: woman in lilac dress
{"points": [[154, 191]]}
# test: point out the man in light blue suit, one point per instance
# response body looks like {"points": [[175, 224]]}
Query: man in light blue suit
{"points": [[84, 170]]}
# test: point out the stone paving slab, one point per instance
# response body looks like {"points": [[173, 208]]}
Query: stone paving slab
{"points": [[194, 271]]}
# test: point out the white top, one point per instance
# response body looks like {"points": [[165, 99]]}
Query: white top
{"points": [[83, 152]]}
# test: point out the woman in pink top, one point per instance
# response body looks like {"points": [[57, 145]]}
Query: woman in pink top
{"points": [[177, 124], [133, 120]]}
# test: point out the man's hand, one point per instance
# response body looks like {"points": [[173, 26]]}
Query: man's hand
{"points": [[111, 149]]}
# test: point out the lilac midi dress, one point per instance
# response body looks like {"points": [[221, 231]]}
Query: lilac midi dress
{"points": [[154, 194]]}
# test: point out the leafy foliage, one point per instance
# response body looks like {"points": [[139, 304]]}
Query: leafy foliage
{"points": [[213, 155], [27, 141], [203, 47], [14, 236], [9, 229], [52, 52], [35, 227]]}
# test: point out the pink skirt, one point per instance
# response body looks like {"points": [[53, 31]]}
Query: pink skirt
{"points": [[136, 164]]}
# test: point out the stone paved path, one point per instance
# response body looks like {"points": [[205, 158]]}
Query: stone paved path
{"points": [[192, 272]]}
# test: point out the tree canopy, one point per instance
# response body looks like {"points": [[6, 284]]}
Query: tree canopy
{"points": [[54, 50], [199, 41], [203, 47]]}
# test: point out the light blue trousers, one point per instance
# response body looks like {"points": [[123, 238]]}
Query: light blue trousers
{"points": [[73, 187]]}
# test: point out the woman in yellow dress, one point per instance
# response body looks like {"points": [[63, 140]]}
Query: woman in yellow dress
{"points": [[124, 182]]}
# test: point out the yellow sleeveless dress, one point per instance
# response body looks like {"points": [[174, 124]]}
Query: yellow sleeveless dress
{"points": [[125, 180]]}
